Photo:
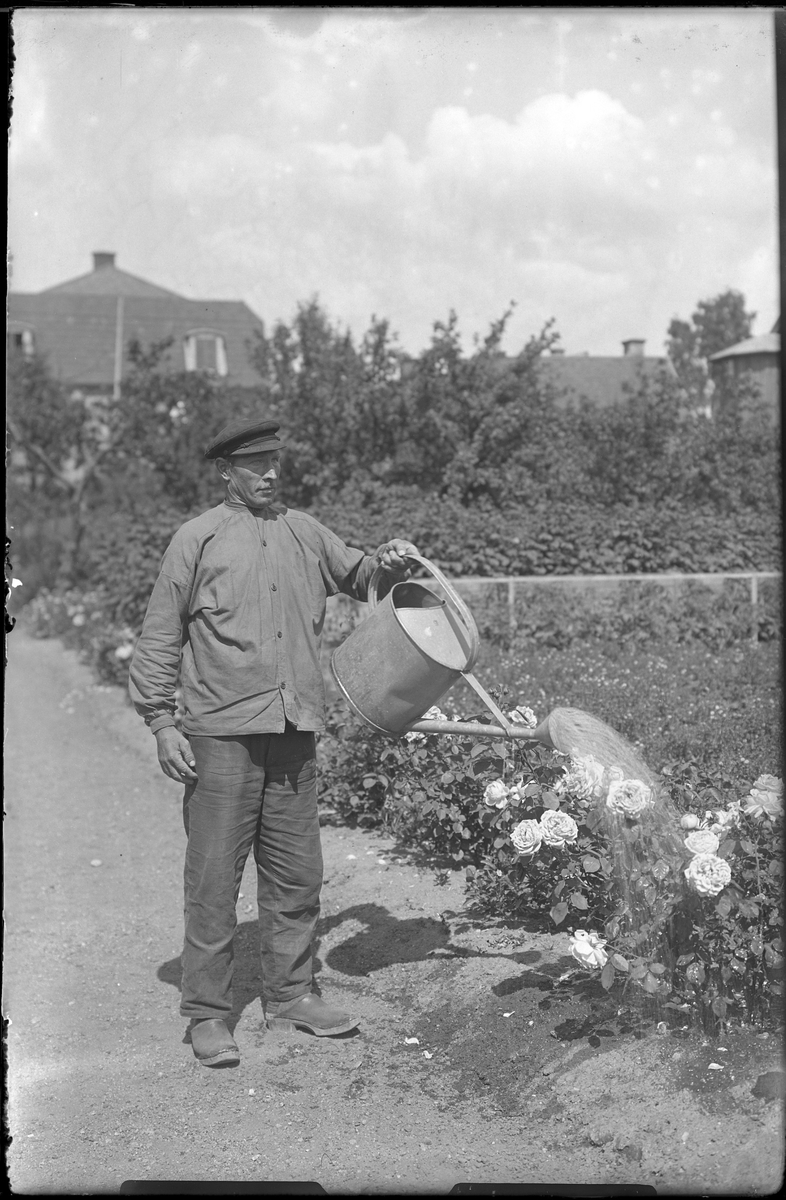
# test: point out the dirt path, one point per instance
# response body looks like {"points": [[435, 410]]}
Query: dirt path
{"points": [[102, 1088]]}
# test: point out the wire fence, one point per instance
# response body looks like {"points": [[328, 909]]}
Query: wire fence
{"points": [[711, 579]]}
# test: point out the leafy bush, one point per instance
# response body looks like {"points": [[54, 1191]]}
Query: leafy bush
{"points": [[124, 559], [642, 613], [556, 538], [464, 801], [80, 620]]}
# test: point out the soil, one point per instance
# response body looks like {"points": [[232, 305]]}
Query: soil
{"points": [[473, 1061]]}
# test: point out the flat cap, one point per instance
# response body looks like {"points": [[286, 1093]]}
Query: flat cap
{"points": [[244, 436]]}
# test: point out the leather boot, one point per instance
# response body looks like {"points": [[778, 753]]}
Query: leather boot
{"points": [[308, 1012], [213, 1044]]}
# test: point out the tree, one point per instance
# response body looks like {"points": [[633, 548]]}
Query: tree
{"points": [[715, 325], [58, 444]]}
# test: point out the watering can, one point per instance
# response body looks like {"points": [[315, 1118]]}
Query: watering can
{"points": [[408, 652]]}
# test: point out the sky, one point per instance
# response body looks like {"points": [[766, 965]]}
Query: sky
{"points": [[602, 168]]}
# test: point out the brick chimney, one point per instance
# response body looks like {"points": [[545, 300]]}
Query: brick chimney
{"points": [[633, 348], [101, 259]]}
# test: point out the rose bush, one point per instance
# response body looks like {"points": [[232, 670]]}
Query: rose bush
{"points": [[535, 837]]}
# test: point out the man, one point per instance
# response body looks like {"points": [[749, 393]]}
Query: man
{"points": [[238, 610]]}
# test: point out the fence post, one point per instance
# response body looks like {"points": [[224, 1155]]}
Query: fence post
{"points": [[512, 605], [754, 610]]}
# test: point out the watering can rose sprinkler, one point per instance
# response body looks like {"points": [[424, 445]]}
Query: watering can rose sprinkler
{"points": [[410, 650]]}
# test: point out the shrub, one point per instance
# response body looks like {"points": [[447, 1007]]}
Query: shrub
{"points": [[623, 876], [79, 619], [642, 613], [559, 537]]}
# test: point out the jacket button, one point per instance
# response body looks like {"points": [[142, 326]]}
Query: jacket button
{"points": [[279, 634], [264, 543], [283, 686], [273, 587]]}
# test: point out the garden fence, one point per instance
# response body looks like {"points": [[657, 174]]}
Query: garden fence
{"points": [[511, 582]]}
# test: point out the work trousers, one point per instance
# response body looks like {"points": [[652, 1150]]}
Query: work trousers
{"points": [[260, 792]]}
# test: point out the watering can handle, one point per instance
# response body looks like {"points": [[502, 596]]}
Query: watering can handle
{"points": [[455, 599]]}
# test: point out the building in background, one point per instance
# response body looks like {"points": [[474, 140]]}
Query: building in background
{"points": [[84, 327], [759, 358], [602, 380]]}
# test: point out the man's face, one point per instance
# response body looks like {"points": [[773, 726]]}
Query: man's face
{"points": [[252, 478]]}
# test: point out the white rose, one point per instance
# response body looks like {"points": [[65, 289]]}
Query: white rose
{"points": [[583, 778], [587, 949], [496, 795], [629, 797], [557, 828], [702, 841], [521, 715], [769, 783], [526, 837], [689, 821], [761, 804], [708, 875], [516, 792]]}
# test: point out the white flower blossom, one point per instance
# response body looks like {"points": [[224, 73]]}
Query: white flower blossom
{"points": [[629, 797], [125, 651], [707, 874], [433, 714], [689, 821], [521, 715], [557, 828], [527, 837], [702, 841], [765, 799], [496, 795], [587, 949], [583, 778]]}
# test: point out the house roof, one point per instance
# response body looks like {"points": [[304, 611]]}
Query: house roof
{"points": [[108, 281], [765, 343], [602, 380], [75, 325]]}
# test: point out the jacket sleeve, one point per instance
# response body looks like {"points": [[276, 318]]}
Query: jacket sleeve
{"points": [[153, 674]]}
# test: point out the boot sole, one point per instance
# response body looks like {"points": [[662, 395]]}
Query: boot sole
{"points": [[223, 1058], [289, 1025]]}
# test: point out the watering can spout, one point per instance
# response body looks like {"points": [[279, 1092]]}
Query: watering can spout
{"points": [[521, 733]]}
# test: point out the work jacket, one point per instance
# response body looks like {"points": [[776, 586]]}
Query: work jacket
{"points": [[237, 613]]}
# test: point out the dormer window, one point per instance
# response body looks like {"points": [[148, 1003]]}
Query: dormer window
{"points": [[205, 350], [22, 341]]}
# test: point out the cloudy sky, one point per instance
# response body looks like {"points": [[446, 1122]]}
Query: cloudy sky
{"points": [[604, 167]]}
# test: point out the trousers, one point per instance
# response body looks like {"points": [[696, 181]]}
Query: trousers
{"points": [[254, 792]]}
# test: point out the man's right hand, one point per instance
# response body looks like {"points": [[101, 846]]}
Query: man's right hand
{"points": [[175, 755]]}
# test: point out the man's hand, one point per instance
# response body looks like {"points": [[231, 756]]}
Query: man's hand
{"points": [[392, 556], [175, 755]]}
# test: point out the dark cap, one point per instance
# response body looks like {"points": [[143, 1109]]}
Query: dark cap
{"points": [[244, 437]]}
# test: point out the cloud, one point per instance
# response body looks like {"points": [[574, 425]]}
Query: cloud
{"points": [[223, 156]]}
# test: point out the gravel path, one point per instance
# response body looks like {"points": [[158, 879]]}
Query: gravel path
{"points": [[103, 1089]]}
